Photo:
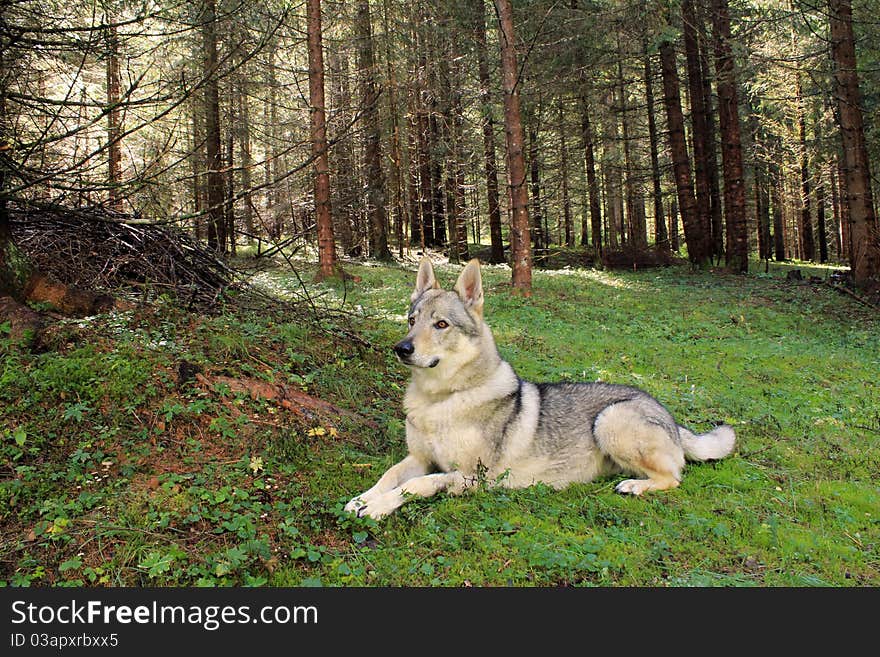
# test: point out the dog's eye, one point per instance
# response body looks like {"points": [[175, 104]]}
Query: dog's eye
{"points": [[442, 324], [412, 321]]}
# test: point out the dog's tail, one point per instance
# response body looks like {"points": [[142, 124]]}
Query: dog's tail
{"points": [[716, 444]]}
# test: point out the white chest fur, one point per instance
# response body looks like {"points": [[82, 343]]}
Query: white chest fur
{"points": [[449, 430], [450, 443]]}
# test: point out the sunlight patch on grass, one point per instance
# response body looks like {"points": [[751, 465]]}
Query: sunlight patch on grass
{"points": [[282, 287], [605, 278]]}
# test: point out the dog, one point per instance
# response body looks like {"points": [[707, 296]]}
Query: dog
{"points": [[471, 419]]}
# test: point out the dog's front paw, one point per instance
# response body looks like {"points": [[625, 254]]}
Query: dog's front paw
{"points": [[356, 505], [375, 507]]}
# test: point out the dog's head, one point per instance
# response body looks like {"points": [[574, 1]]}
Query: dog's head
{"points": [[445, 328]]}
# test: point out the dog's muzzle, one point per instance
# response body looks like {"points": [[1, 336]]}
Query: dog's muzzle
{"points": [[405, 349]]}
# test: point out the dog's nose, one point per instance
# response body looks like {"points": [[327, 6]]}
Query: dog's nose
{"points": [[404, 348]]}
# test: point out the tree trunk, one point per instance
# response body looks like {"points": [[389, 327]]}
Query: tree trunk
{"points": [[421, 98], [496, 238], [520, 242], [425, 188], [197, 163], [270, 120], [805, 228], [372, 150], [697, 241], [540, 239], [862, 220], [114, 127], [776, 196], [716, 239], [215, 196], [229, 179], [613, 175], [416, 225], [568, 228], [845, 234], [762, 211], [326, 244], [673, 225], [458, 234], [436, 165], [400, 210], [634, 233], [345, 188], [699, 118], [244, 147], [592, 182], [835, 210], [820, 221], [737, 252], [661, 236]]}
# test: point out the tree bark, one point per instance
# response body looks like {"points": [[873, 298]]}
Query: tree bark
{"points": [[540, 240], [270, 120], [820, 221], [716, 239], [737, 251], [438, 205], [416, 225], [805, 232], [244, 146], [762, 211], [376, 197], [400, 209], [229, 179], [661, 236], [215, 196], [425, 188], [634, 233], [323, 218], [845, 234], [699, 118], [114, 127], [345, 188], [496, 254], [673, 225], [697, 241], [520, 243], [422, 101], [568, 228], [197, 163], [458, 236], [835, 209], [862, 220], [592, 183], [776, 196]]}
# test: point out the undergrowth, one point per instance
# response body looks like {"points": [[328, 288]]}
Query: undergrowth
{"points": [[159, 448]]}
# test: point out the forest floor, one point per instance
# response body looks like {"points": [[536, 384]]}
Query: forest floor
{"points": [[155, 447]]}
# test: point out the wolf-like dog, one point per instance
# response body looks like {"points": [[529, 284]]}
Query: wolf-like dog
{"points": [[470, 418]]}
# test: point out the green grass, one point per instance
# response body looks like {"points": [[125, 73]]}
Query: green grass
{"points": [[117, 473]]}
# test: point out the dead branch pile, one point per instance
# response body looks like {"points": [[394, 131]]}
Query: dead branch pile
{"points": [[102, 250]]}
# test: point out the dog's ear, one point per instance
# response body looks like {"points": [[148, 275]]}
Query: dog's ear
{"points": [[425, 279], [469, 287]]}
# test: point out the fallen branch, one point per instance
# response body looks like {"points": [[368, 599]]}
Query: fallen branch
{"points": [[855, 296]]}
